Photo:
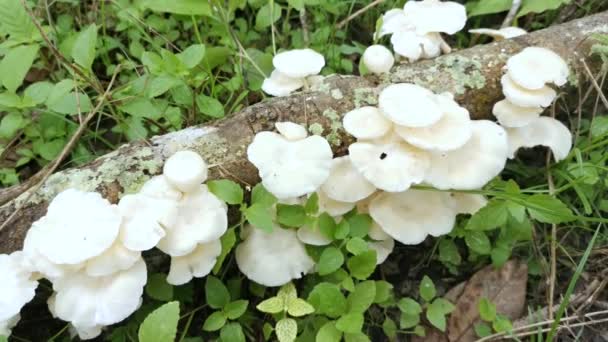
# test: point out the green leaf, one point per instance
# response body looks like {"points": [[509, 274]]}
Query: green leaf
{"points": [[407, 321], [298, 307], [161, 84], [312, 204], [409, 306], [482, 329], [443, 305], [599, 126], [331, 259], [267, 15], [384, 291], [11, 123], [142, 107], [493, 215], [356, 337], [38, 91], [83, 50], [210, 106], [427, 289], [228, 241], [272, 305], [161, 324], [342, 230], [10, 100], [236, 309], [158, 288], [15, 21], [478, 242], [287, 292], [357, 246], [481, 7], [215, 321], [389, 328], [15, 65], [502, 324], [326, 225], [70, 103], [216, 293], [291, 215], [540, 6], [297, 4], [286, 330], [363, 265], [448, 252], [548, 209], [363, 297], [436, 315], [232, 332], [185, 7], [500, 254], [327, 299], [192, 56], [329, 333], [359, 225], [487, 310], [261, 196], [350, 323], [227, 190], [260, 217]]}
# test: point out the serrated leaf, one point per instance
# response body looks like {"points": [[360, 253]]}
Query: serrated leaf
{"points": [[236, 309], [327, 299], [493, 215], [232, 332], [286, 330], [298, 307], [362, 297], [548, 209], [291, 215], [361, 266], [427, 289], [15, 65], [227, 190], [216, 293], [331, 259], [350, 323], [161, 324], [261, 196], [83, 50], [215, 321], [271, 305], [359, 225], [287, 292], [260, 217]]}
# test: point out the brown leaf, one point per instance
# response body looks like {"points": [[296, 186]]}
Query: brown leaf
{"points": [[505, 287]]}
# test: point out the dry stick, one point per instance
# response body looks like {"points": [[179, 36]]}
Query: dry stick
{"points": [[553, 274], [304, 23], [358, 13], [66, 150], [511, 15], [595, 85]]}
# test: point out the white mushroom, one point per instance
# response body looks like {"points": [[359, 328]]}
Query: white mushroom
{"points": [[312, 236], [272, 259], [378, 59], [383, 249], [38, 264], [366, 123], [17, 288], [510, 115], [500, 34], [410, 105], [473, 165], [78, 226], [290, 168], [299, 63], [291, 131], [451, 132], [185, 170], [393, 21], [389, 165], [91, 302], [279, 84], [345, 183], [197, 264], [435, 16], [543, 131], [534, 67], [114, 259], [332, 207], [410, 216], [523, 97], [415, 46], [464, 203]]}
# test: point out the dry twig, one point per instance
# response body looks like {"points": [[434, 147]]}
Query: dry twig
{"points": [[358, 13], [515, 5]]}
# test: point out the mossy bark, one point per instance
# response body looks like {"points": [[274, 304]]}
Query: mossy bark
{"points": [[473, 75]]}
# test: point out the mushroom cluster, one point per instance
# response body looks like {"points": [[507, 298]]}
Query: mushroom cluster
{"points": [[527, 86], [291, 70], [90, 249], [416, 29]]}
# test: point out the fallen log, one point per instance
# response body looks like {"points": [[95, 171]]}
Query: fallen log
{"points": [[473, 75]]}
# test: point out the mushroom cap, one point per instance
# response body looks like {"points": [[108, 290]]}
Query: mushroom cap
{"points": [[17, 288], [435, 16], [389, 166], [197, 264], [201, 218], [78, 226], [291, 131], [366, 123], [143, 220], [185, 170], [416, 46], [312, 236], [87, 301], [383, 249], [500, 34], [410, 216], [452, 131], [332, 207], [534, 67], [299, 63], [376, 233], [543, 131], [272, 259], [410, 105], [85, 332], [114, 259], [38, 263], [290, 168], [345, 183], [159, 187], [393, 20], [523, 97], [473, 165], [464, 203], [279, 84], [511, 115], [378, 59]]}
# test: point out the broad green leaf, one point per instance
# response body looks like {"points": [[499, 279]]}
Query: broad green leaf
{"points": [[216, 293], [10, 100], [15, 65], [227, 190], [409, 306], [389, 328], [361, 266], [261, 196], [158, 288], [298, 307], [500, 254], [407, 321], [272, 305], [329, 333], [356, 337], [359, 225], [83, 50], [210, 106], [357, 246], [481, 7], [287, 292], [327, 299], [482, 329], [291, 215], [540, 6], [215, 321], [143, 108], [236, 309], [267, 15], [427, 289], [331, 259], [384, 291], [161, 324], [10, 124], [436, 316], [228, 241], [548, 209], [70, 103], [260, 217], [443, 305], [192, 56], [185, 7], [448, 252], [38, 91], [15, 21], [502, 324], [342, 230], [161, 84], [297, 4], [599, 126], [350, 323], [478, 242], [232, 332], [286, 330], [326, 225], [487, 310], [493, 215], [312, 204], [363, 297]]}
